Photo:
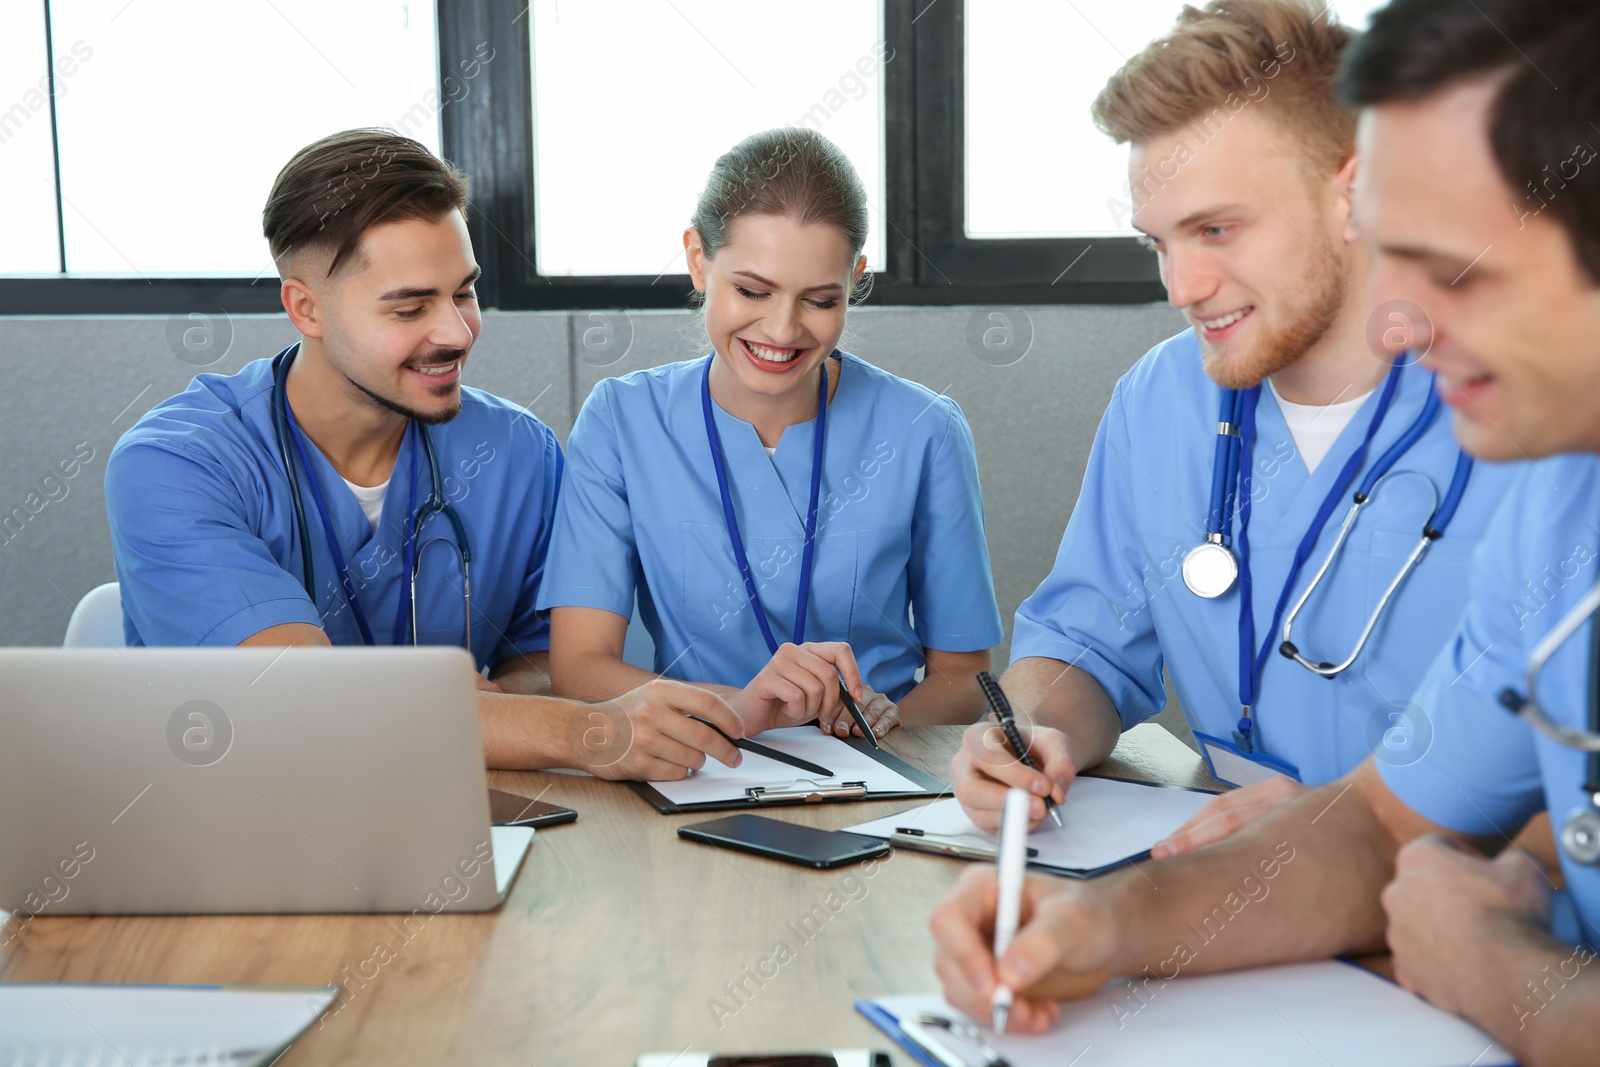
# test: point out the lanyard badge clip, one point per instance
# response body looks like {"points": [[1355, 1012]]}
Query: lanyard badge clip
{"points": [[1242, 735]]}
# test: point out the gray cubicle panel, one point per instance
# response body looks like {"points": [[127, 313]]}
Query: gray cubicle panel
{"points": [[1032, 381]]}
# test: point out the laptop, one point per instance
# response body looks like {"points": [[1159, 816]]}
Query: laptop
{"points": [[246, 780]]}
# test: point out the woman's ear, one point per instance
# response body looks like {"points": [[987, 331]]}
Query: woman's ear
{"points": [[695, 254]]}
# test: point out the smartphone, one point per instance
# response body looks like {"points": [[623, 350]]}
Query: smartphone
{"points": [[838, 1058], [786, 841], [508, 809], [803, 1059]]}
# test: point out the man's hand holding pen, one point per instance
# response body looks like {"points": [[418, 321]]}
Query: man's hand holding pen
{"points": [[1063, 949], [986, 767]]}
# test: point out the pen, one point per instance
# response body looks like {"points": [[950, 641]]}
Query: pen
{"points": [[854, 709], [1013, 858], [1001, 707], [764, 750], [936, 842]]}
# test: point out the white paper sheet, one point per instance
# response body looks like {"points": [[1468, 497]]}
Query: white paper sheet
{"points": [[714, 782], [154, 1024], [1104, 822], [1331, 1014]]}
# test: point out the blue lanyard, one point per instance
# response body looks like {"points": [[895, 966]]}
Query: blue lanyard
{"points": [[1251, 661], [1225, 459], [345, 581], [807, 555]]}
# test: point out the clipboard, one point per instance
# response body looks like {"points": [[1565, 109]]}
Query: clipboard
{"points": [[1105, 814], [920, 1046], [806, 791], [1327, 1011]]}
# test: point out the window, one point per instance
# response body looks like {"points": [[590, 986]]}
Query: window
{"points": [[27, 155], [587, 128], [1043, 170], [630, 114], [171, 130]]}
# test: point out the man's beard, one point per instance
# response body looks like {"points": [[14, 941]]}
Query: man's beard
{"points": [[426, 418], [1278, 348]]}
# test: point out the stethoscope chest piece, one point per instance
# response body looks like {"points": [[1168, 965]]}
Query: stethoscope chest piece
{"points": [[1580, 837], [1210, 569]]}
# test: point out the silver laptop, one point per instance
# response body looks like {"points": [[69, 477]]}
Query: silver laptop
{"points": [[169, 781]]}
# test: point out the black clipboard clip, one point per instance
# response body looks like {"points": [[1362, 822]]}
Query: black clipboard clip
{"points": [[807, 791]]}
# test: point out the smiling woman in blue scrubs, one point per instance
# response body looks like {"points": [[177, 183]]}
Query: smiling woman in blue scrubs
{"points": [[785, 513]]}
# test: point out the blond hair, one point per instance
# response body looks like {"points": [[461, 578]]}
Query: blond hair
{"points": [[1282, 55]]}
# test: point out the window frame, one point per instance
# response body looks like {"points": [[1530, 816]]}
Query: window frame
{"points": [[929, 259]]}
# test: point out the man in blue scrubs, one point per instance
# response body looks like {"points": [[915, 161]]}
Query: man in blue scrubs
{"points": [[1241, 168], [368, 230], [1482, 198]]}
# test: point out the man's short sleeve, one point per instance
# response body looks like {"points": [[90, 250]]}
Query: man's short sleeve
{"points": [[192, 571]]}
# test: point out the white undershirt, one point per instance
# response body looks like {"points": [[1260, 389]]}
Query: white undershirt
{"points": [[773, 451], [370, 498], [1315, 427]]}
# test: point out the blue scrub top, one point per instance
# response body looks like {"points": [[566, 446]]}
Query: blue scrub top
{"points": [[1485, 770], [901, 562], [203, 528], [1116, 606]]}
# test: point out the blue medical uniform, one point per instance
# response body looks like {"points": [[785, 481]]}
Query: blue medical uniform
{"points": [[203, 528], [901, 562], [1115, 603], [1486, 771]]}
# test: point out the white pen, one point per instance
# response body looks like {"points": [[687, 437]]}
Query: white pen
{"points": [[1013, 861]]}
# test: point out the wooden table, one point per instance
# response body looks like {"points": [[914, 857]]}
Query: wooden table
{"points": [[617, 938]]}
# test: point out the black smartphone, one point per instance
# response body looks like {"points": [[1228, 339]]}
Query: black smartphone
{"points": [[841, 1058], [787, 841], [508, 809], [794, 1059]]}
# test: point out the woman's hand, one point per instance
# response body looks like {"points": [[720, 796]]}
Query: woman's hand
{"points": [[798, 684], [881, 713]]}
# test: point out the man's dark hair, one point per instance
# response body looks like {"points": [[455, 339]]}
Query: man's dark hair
{"points": [[1542, 128], [338, 188]]}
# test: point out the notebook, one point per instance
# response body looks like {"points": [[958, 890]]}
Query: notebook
{"points": [[154, 1025]]}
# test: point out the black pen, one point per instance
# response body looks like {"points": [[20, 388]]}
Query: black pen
{"points": [[1001, 707], [764, 750], [854, 709]]}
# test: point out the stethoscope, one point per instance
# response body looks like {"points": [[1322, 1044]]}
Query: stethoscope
{"points": [[291, 443], [1580, 835], [1211, 568], [808, 552]]}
